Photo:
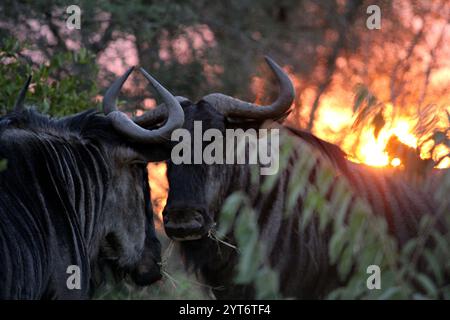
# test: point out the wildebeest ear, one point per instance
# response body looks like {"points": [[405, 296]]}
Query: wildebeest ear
{"points": [[155, 153]]}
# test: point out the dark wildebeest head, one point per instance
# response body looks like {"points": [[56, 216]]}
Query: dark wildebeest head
{"points": [[82, 182], [132, 238], [197, 191]]}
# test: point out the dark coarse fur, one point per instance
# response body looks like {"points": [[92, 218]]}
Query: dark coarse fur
{"points": [[300, 257], [54, 209]]}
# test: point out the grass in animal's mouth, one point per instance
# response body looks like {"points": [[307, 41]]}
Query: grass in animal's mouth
{"points": [[212, 234], [173, 280]]}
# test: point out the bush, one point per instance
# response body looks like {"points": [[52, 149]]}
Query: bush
{"points": [[65, 85], [358, 239]]}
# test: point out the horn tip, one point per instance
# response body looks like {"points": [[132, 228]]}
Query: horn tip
{"points": [[147, 75], [269, 59], [18, 105], [271, 62], [130, 70]]}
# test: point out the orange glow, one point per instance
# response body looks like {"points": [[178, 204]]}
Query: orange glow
{"points": [[335, 117], [159, 188], [364, 147], [371, 150], [396, 162]]}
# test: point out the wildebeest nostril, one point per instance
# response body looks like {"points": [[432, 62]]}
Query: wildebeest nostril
{"points": [[191, 225], [187, 224], [181, 215]]}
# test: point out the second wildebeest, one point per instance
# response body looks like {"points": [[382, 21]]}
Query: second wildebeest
{"points": [[198, 191], [75, 193]]}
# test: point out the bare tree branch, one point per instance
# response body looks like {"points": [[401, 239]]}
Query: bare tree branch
{"points": [[342, 23], [61, 43], [402, 64], [431, 65]]}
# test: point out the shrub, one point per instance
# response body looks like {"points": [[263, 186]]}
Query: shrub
{"points": [[64, 85]]}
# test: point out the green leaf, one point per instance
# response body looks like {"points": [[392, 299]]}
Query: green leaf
{"points": [[434, 265], [246, 229], [298, 183], [427, 284], [345, 263], [267, 284], [249, 258], [3, 164], [336, 294], [441, 243], [325, 178], [409, 248], [324, 214], [337, 243], [229, 210], [340, 203], [356, 222], [309, 206], [391, 293], [425, 222]]}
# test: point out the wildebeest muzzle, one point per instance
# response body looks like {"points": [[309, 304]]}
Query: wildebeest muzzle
{"points": [[185, 223]]}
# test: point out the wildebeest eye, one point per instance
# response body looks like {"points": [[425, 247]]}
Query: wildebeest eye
{"points": [[129, 157]]}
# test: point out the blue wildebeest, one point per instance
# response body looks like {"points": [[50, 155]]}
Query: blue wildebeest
{"points": [[198, 191], [75, 193]]}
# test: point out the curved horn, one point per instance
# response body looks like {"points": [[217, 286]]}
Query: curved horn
{"points": [[128, 128], [155, 115], [233, 107], [109, 100], [18, 105]]}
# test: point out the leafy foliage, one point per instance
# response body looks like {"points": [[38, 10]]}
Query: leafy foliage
{"points": [[251, 267], [358, 239], [57, 87]]}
